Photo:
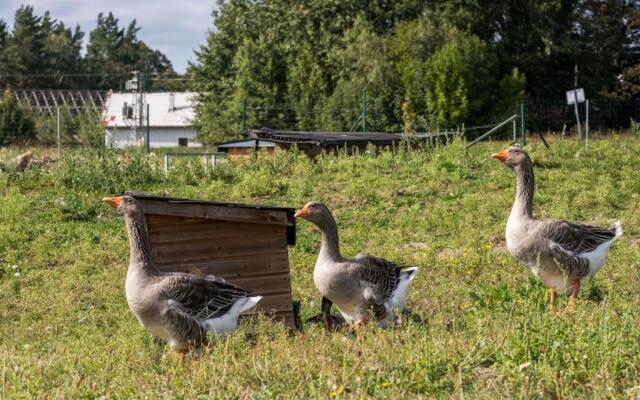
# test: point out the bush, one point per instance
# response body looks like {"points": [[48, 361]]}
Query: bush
{"points": [[15, 124]]}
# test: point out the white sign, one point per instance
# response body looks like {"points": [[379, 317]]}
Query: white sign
{"points": [[572, 95]]}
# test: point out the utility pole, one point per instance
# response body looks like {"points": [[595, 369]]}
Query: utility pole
{"points": [[146, 142]]}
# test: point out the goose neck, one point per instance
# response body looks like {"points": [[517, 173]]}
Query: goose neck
{"points": [[330, 244], [525, 186], [139, 247]]}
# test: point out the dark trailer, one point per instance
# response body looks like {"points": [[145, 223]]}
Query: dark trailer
{"points": [[247, 245], [312, 143]]}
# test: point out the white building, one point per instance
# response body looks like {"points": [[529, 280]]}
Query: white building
{"points": [[170, 119]]}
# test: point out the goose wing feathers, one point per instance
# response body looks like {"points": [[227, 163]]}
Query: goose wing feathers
{"points": [[576, 238], [199, 298], [381, 275]]}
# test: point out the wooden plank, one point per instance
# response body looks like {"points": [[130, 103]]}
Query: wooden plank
{"points": [[219, 247], [232, 266], [212, 230], [270, 284], [213, 211], [269, 304], [206, 250], [157, 220]]}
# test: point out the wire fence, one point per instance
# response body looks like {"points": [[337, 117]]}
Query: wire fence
{"points": [[76, 120], [603, 114]]}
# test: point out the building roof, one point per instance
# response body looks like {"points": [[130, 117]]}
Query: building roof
{"points": [[166, 109], [245, 143]]}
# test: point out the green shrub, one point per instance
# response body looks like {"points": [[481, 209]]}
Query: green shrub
{"points": [[15, 124]]}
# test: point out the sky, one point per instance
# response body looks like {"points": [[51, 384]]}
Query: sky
{"points": [[175, 27]]}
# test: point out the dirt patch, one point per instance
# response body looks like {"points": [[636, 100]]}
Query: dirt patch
{"points": [[446, 253], [416, 246]]}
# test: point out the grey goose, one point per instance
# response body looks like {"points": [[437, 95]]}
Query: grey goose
{"points": [[558, 252], [359, 285], [176, 307]]}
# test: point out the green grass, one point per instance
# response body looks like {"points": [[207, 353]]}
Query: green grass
{"points": [[479, 327]]}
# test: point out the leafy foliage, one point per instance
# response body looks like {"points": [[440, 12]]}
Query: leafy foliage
{"points": [[16, 125], [421, 64], [41, 52]]}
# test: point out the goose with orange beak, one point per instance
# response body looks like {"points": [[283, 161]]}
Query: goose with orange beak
{"points": [[176, 307], [558, 252], [358, 286]]}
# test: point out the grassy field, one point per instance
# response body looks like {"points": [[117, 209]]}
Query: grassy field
{"points": [[479, 329]]}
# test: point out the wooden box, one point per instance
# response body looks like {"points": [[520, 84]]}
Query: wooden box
{"points": [[244, 244]]}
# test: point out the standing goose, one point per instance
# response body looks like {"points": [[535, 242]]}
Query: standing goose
{"points": [[558, 252], [355, 285], [176, 307]]}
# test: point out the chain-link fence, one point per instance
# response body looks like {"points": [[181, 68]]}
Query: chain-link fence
{"points": [[601, 114], [75, 118]]}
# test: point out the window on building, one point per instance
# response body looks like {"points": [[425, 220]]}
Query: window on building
{"points": [[183, 142]]}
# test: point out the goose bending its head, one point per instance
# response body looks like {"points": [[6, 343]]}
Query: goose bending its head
{"points": [[176, 307], [558, 252], [359, 285]]}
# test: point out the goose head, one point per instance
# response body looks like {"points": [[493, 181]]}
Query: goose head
{"points": [[315, 212], [513, 157], [124, 205]]}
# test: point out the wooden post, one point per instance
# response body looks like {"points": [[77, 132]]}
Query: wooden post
{"points": [[575, 108], [586, 129], [58, 128]]}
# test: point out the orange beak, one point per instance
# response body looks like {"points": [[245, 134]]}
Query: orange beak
{"points": [[502, 156], [113, 201], [303, 212]]}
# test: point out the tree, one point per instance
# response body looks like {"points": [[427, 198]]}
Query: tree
{"points": [[26, 49], [366, 69], [462, 85], [114, 52], [306, 89], [15, 124], [4, 56], [62, 47]]}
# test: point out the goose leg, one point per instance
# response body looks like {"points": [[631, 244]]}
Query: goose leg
{"points": [[552, 301], [327, 318], [362, 320], [574, 293]]}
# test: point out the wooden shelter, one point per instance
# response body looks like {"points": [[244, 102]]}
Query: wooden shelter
{"points": [[244, 244], [313, 143], [243, 149]]}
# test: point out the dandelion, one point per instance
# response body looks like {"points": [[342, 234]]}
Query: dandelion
{"points": [[385, 385]]}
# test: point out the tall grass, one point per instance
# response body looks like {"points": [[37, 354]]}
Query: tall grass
{"points": [[479, 326]]}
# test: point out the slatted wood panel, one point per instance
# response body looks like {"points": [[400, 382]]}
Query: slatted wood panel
{"points": [[251, 255]]}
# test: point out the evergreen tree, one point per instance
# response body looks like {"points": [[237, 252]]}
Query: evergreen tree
{"points": [[114, 52], [26, 51], [4, 56]]}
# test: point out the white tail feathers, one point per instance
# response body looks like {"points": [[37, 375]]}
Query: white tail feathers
{"points": [[250, 302], [618, 227], [410, 271]]}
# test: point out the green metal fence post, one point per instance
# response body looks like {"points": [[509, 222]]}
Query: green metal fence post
{"points": [[364, 111], [522, 124], [244, 114]]}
